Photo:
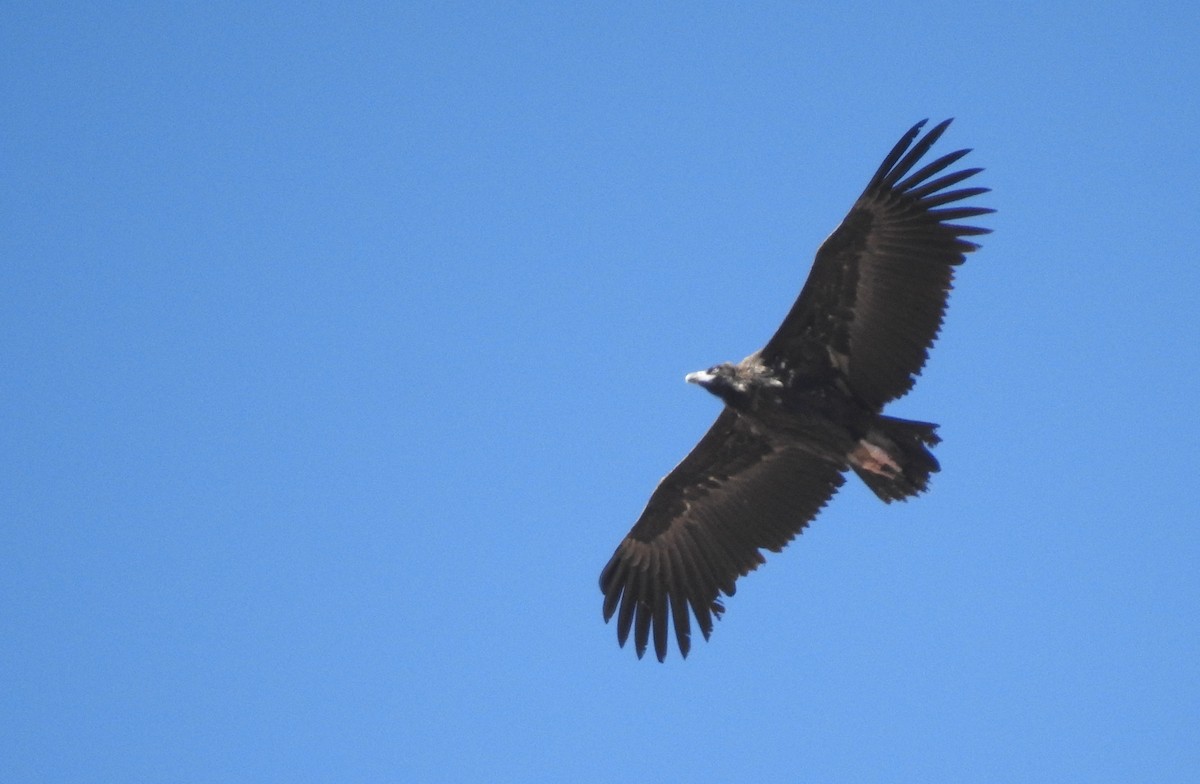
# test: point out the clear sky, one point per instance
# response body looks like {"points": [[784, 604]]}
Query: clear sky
{"points": [[343, 342]]}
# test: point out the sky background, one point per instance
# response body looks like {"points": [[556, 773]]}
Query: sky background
{"points": [[342, 343]]}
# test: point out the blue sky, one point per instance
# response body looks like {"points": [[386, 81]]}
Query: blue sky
{"points": [[343, 343]]}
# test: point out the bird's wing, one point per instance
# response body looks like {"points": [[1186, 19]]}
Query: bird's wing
{"points": [[703, 527], [874, 301]]}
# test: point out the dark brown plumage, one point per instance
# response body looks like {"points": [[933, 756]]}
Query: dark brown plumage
{"points": [[807, 406]]}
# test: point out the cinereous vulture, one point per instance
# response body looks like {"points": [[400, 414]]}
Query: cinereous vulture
{"points": [[808, 406]]}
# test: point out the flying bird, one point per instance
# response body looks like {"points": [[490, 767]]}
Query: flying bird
{"points": [[807, 406]]}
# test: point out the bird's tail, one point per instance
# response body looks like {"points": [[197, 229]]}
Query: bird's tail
{"points": [[894, 459]]}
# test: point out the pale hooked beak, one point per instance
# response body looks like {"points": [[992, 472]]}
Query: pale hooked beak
{"points": [[700, 377]]}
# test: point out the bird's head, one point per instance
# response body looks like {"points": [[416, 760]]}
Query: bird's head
{"points": [[726, 381]]}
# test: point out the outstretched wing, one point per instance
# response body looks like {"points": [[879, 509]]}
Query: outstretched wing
{"points": [[874, 301], [734, 494]]}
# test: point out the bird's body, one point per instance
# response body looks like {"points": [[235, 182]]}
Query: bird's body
{"points": [[817, 414], [806, 407]]}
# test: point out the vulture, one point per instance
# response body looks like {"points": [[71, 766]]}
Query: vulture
{"points": [[808, 406]]}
